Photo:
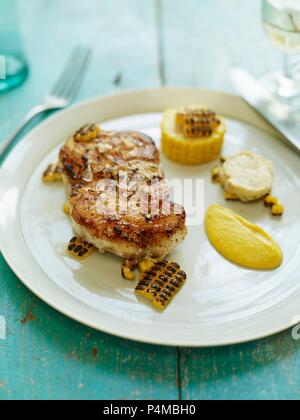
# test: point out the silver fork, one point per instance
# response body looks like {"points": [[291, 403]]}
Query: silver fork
{"points": [[63, 93]]}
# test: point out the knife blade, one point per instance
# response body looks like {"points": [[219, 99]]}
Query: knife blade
{"points": [[280, 115]]}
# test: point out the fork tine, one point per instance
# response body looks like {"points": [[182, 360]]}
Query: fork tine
{"points": [[69, 71], [73, 73], [60, 83], [80, 70]]}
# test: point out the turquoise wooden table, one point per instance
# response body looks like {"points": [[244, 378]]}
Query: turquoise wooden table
{"points": [[137, 44]]}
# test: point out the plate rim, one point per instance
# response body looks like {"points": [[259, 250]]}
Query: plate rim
{"points": [[244, 109]]}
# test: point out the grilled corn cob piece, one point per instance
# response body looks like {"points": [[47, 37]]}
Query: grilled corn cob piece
{"points": [[80, 249], [192, 114], [193, 135], [192, 132], [54, 173], [161, 283], [87, 133], [211, 122]]}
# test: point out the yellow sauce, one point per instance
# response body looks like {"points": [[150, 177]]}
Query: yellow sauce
{"points": [[240, 241]]}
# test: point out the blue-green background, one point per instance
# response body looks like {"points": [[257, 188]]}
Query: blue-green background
{"points": [[137, 44]]}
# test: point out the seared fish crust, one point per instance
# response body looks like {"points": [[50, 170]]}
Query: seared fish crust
{"points": [[140, 220]]}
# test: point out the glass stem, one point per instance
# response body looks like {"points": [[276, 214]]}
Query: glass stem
{"points": [[289, 81], [289, 66]]}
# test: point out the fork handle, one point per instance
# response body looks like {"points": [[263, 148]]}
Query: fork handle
{"points": [[39, 109]]}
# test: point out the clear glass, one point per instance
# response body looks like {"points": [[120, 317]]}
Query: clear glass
{"points": [[13, 66], [281, 20]]}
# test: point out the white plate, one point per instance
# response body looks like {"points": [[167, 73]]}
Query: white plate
{"points": [[221, 303]]}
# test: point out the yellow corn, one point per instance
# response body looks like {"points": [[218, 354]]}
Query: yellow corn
{"points": [[127, 273], [80, 249], [215, 174], [275, 205], [271, 201], [278, 210], [193, 113], [190, 151], [66, 209], [200, 122], [146, 265], [87, 133], [192, 132], [161, 283], [54, 173], [230, 197]]}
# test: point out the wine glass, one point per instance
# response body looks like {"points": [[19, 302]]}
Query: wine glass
{"points": [[13, 67], [281, 20]]}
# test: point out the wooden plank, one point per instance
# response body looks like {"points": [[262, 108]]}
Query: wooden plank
{"points": [[201, 41], [264, 370], [46, 355], [122, 34]]}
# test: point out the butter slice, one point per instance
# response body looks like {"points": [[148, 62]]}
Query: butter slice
{"points": [[247, 176]]}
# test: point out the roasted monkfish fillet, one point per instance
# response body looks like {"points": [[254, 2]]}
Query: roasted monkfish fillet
{"points": [[118, 195]]}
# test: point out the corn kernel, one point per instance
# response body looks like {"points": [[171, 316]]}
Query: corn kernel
{"points": [[146, 265], [54, 173], [66, 209], [192, 132], [161, 283], [271, 201], [127, 273], [215, 174], [230, 197], [193, 114], [278, 210], [80, 249], [87, 133]]}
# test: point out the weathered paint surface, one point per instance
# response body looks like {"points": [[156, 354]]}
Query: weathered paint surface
{"points": [[137, 44]]}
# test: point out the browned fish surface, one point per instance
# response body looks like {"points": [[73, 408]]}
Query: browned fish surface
{"points": [[118, 195], [109, 151]]}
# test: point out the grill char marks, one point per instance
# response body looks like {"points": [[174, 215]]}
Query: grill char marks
{"points": [[108, 152], [130, 161]]}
